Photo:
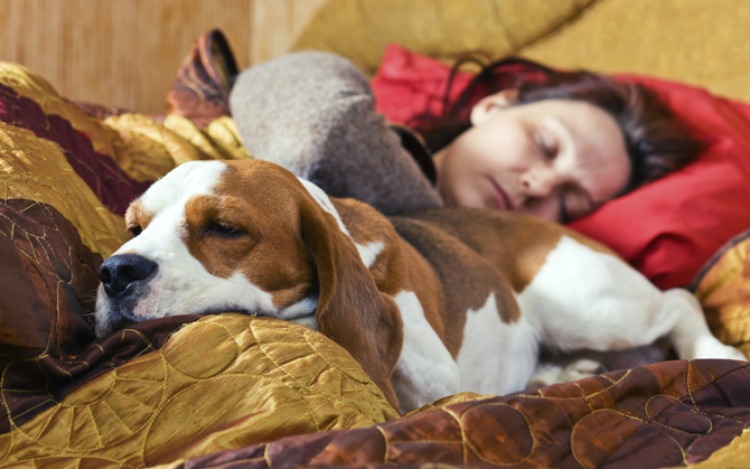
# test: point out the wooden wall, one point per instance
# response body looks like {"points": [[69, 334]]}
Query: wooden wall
{"points": [[126, 52]]}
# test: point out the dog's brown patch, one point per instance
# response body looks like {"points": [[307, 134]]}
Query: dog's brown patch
{"points": [[399, 267], [251, 225], [137, 217], [517, 245]]}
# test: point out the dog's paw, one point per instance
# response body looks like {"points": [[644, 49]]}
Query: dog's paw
{"points": [[713, 348], [545, 374], [579, 369], [549, 373]]}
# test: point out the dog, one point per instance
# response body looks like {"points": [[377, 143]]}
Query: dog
{"points": [[431, 304]]}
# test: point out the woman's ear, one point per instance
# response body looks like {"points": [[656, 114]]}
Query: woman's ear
{"points": [[489, 105]]}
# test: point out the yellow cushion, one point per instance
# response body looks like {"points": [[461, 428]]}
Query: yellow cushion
{"points": [[361, 29], [701, 42]]}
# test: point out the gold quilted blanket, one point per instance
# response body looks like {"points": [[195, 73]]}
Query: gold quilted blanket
{"points": [[228, 390]]}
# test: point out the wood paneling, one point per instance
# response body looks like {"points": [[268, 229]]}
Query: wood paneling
{"points": [[126, 52]]}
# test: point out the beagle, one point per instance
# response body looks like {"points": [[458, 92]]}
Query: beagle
{"points": [[430, 304]]}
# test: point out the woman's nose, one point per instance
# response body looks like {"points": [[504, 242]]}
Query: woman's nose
{"points": [[539, 181]]}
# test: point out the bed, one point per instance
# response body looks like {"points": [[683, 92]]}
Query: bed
{"points": [[229, 390]]}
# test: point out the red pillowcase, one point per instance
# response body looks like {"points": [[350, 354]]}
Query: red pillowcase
{"points": [[407, 84], [667, 229]]}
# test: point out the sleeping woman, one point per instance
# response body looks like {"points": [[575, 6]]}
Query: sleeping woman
{"points": [[519, 137]]}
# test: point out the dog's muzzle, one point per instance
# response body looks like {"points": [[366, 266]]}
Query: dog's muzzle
{"points": [[123, 274]]}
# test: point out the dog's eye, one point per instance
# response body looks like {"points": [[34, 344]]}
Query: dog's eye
{"points": [[222, 228], [135, 230]]}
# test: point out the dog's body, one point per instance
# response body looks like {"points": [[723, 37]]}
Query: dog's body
{"points": [[430, 305]]}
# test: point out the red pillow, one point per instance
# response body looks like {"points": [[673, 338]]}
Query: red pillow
{"points": [[407, 84], [667, 229]]}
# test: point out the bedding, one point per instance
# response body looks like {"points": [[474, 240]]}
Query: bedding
{"points": [[230, 390]]}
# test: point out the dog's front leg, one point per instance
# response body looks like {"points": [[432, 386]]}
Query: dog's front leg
{"points": [[425, 370]]}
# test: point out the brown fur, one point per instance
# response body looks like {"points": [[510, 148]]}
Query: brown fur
{"points": [[466, 280], [272, 254], [516, 245], [399, 266], [137, 216]]}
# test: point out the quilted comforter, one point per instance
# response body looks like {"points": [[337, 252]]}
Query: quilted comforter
{"points": [[228, 390]]}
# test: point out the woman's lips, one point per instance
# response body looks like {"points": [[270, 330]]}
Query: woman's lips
{"points": [[502, 198]]}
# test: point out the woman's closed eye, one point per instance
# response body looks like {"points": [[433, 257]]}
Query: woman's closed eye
{"points": [[546, 144]]}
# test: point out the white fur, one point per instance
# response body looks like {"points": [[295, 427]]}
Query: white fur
{"points": [[579, 299], [549, 373], [425, 370], [302, 312], [369, 252], [582, 298], [185, 181], [486, 336]]}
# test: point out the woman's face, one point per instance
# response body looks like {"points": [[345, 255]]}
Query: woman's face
{"points": [[556, 159]]}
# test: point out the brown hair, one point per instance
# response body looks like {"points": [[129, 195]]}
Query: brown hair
{"points": [[656, 141]]}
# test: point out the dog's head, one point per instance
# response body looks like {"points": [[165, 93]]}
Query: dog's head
{"points": [[248, 236]]}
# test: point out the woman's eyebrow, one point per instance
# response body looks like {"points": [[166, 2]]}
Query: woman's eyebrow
{"points": [[559, 125]]}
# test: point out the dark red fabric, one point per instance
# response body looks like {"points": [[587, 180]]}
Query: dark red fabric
{"points": [[667, 229], [100, 172], [200, 91], [407, 84]]}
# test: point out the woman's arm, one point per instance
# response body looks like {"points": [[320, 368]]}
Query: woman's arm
{"points": [[314, 113]]}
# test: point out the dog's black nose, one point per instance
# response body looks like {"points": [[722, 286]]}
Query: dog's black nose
{"points": [[119, 272]]}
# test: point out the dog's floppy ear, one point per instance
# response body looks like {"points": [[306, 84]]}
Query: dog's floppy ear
{"points": [[351, 310]]}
